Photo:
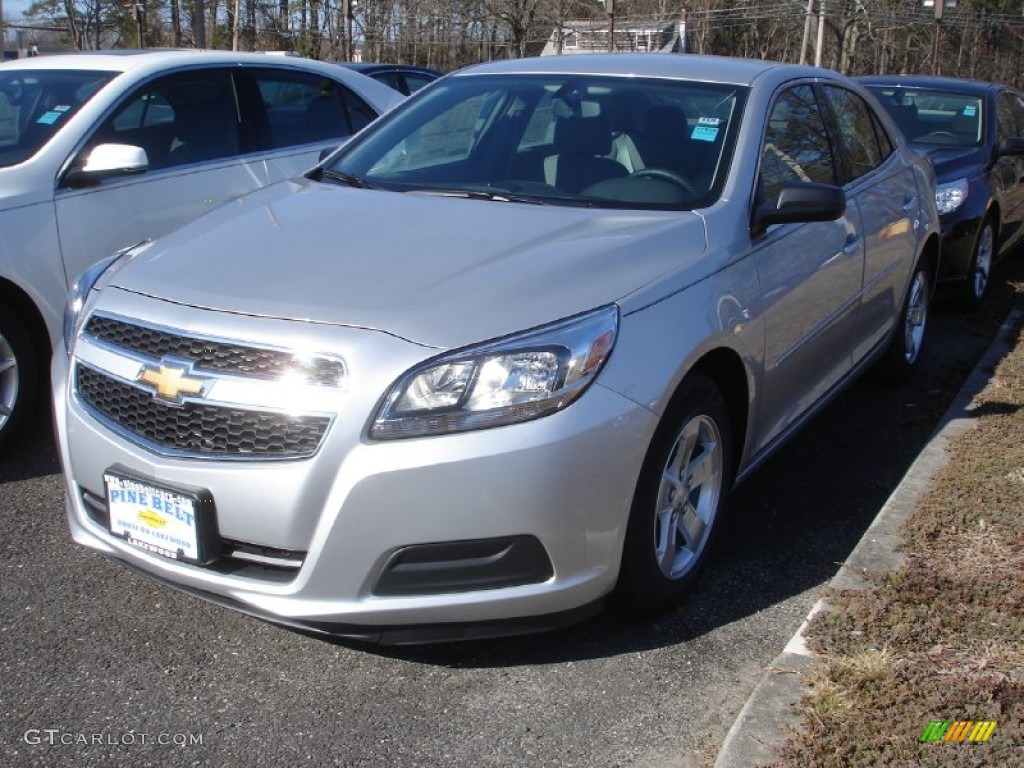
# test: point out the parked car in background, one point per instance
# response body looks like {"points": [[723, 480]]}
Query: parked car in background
{"points": [[98, 151], [404, 78], [974, 133], [472, 374]]}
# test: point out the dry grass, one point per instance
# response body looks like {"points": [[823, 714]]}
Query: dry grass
{"points": [[942, 637]]}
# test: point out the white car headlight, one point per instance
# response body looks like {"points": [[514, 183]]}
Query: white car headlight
{"points": [[518, 378], [950, 196], [81, 288]]}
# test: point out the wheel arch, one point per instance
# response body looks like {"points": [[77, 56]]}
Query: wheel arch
{"points": [[725, 367], [21, 305]]}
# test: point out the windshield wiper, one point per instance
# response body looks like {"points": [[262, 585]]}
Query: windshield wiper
{"points": [[345, 178], [480, 194]]}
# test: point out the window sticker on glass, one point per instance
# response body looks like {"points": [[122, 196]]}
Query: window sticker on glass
{"points": [[970, 111], [49, 118], [708, 121], [704, 133], [61, 108]]}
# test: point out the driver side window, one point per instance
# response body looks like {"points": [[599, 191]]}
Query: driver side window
{"points": [[796, 144]]}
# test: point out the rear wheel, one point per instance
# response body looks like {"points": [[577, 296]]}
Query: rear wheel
{"points": [[18, 376], [981, 265], [679, 500]]}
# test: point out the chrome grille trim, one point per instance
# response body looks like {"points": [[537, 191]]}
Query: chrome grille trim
{"points": [[210, 353], [197, 428]]}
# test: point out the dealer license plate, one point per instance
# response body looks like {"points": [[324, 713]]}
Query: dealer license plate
{"points": [[154, 518]]}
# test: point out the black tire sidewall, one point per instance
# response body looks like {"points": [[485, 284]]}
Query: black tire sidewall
{"points": [[971, 300], [642, 588], [28, 375]]}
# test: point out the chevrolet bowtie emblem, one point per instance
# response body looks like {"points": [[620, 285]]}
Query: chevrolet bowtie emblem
{"points": [[171, 382]]}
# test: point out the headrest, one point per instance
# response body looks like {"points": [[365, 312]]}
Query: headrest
{"points": [[665, 122], [584, 135]]}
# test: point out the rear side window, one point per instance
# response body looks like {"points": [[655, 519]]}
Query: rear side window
{"points": [[302, 108]]}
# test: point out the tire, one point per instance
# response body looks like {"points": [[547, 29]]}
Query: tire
{"points": [[977, 278], [903, 355], [19, 369], [677, 512]]}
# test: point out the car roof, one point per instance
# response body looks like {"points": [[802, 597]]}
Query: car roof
{"points": [[151, 59], [717, 69], [929, 82]]}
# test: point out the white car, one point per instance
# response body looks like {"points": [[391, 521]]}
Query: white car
{"points": [[101, 151]]}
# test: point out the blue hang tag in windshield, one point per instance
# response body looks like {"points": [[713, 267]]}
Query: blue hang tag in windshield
{"points": [[49, 118], [704, 133]]}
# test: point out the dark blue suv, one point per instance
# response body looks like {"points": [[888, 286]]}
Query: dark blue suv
{"points": [[973, 132]]}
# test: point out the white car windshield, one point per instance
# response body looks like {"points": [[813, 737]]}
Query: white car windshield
{"points": [[555, 139], [34, 105]]}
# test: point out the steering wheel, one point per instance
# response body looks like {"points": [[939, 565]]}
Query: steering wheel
{"points": [[940, 135], [664, 175]]}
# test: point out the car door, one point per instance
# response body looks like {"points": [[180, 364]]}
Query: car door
{"points": [[884, 190], [810, 273], [298, 115], [188, 124], [1009, 169]]}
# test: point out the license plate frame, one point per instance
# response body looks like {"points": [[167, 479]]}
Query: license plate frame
{"points": [[172, 521]]}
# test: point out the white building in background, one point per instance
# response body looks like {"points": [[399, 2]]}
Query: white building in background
{"points": [[592, 36]]}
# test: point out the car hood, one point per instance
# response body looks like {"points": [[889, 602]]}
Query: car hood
{"points": [[439, 271], [954, 162]]}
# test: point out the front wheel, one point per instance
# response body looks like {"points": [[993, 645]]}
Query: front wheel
{"points": [[981, 265], [679, 500], [18, 374], [904, 353]]}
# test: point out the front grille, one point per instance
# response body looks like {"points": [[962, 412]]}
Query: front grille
{"points": [[212, 355], [199, 428]]}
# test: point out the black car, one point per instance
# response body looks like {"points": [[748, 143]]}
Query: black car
{"points": [[973, 132], [404, 78]]}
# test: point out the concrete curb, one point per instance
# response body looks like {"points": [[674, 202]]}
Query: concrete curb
{"points": [[761, 725]]}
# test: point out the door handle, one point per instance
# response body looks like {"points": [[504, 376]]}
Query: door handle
{"points": [[910, 204], [852, 245]]}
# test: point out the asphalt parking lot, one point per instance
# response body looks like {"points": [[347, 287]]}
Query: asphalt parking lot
{"points": [[98, 664]]}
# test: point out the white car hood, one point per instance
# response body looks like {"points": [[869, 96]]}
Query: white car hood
{"points": [[438, 271]]}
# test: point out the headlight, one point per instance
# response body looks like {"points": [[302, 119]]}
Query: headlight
{"points": [[518, 378], [950, 196], [81, 288]]}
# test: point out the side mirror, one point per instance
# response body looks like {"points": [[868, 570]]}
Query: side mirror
{"points": [[1012, 146], [800, 201], [107, 160]]}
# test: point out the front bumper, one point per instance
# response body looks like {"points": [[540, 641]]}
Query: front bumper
{"points": [[565, 481]]}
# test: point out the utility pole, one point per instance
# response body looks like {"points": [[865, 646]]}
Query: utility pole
{"points": [[807, 31], [199, 24], [821, 33], [610, 6], [935, 37], [3, 32], [140, 23]]}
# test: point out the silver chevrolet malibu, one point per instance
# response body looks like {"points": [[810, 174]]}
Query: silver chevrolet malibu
{"points": [[502, 356]]}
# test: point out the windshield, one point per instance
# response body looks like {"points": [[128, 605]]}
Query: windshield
{"points": [[929, 116], [553, 139], [35, 104]]}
